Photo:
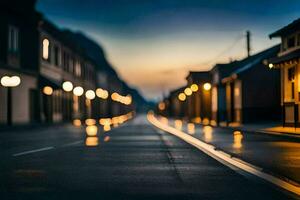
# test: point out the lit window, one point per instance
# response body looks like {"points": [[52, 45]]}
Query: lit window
{"points": [[46, 49], [13, 39]]}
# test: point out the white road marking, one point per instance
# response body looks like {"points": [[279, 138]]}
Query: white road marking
{"points": [[222, 156], [72, 143], [33, 151]]}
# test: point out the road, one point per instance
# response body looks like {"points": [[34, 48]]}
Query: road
{"points": [[133, 161]]}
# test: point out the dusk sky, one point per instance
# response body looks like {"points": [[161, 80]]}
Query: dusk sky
{"points": [[154, 43]]}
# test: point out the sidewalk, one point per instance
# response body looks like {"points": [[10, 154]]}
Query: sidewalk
{"points": [[268, 128]]}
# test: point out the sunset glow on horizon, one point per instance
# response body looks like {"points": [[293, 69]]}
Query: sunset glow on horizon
{"points": [[153, 50]]}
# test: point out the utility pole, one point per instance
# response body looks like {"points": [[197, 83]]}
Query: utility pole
{"points": [[248, 35]]}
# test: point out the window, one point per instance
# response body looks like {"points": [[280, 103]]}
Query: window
{"points": [[291, 42], [291, 78], [56, 55], [13, 39], [291, 74], [46, 44]]}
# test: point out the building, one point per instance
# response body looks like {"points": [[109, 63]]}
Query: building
{"points": [[252, 90], [19, 63], [176, 105], [218, 94], [288, 61], [198, 92], [61, 59]]}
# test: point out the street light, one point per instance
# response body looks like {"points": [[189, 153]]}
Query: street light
{"points": [[67, 86], [194, 87], [90, 94], [78, 91], [188, 91], [181, 97], [47, 90], [271, 65], [207, 86], [9, 83]]}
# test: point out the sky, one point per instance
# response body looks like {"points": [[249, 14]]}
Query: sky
{"points": [[153, 44]]}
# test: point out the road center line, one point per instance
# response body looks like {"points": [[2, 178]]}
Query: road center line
{"points": [[220, 155], [33, 151]]}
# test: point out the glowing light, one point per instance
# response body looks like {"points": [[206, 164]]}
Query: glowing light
{"points": [[161, 106], [178, 124], [207, 86], [207, 131], [205, 121], [67, 86], [271, 65], [237, 139], [92, 141], [191, 128], [47, 90], [105, 121], [194, 87], [46, 49], [77, 122], [106, 128], [90, 122], [13, 81], [164, 120], [181, 97], [188, 91], [103, 94], [78, 91], [91, 130], [197, 120], [90, 94], [127, 100], [106, 139]]}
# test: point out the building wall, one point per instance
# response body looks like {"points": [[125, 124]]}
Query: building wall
{"points": [[21, 106], [261, 94]]}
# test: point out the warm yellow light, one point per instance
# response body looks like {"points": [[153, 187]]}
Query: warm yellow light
{"points": [[106, 139], [161, 106], [207, 131], [91, 130], [105, 94], [237, 139], [99, 92], [90, 94], [78, 91], [67, 86], [191, 128], [188, 91], [90, 122], [45, 49], [271, 65], [207, 86], [77, 122], [106, 128], [13, 81], [205, 121], [115, 96], [194, 87], [91, 141], [181, 97], [47, 90], [178, 124], [105, 121]]}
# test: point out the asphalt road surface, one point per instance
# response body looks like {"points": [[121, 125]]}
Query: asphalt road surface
{"points": [[133, 161]]}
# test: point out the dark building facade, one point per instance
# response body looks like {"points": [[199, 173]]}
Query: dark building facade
{"points": [[252, 90], [19, 62]]}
